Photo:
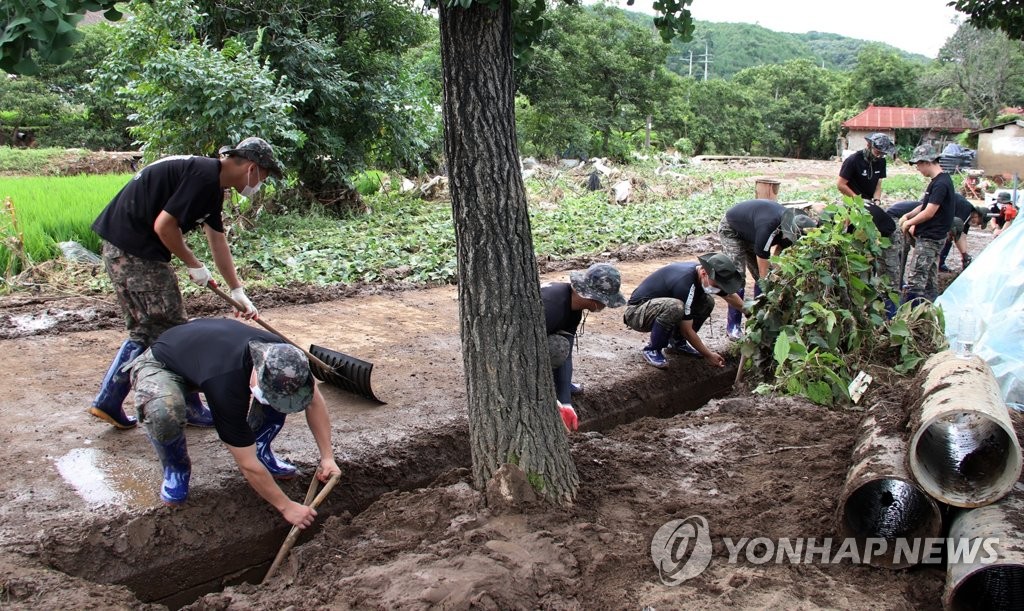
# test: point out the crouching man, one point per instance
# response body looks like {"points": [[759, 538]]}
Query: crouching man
{"points": [[674, 301], [565, 304], [252, 379]]}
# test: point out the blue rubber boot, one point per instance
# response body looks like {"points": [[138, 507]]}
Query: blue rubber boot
{"points": [[108, 403], [177, 469], [659, 340], [273, 422], [196, 413], [734, 320]]}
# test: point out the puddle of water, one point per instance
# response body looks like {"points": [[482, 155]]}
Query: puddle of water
{"points": [[100, 479], [33, 322]]}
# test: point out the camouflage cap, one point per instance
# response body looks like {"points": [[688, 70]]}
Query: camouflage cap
{"points": [[882, 142], [794, 224], [925, 152], [1003, 197], [722, 270], [282, 372], [601, 282], [258, 150]]}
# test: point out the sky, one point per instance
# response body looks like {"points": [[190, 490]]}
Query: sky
{"points": [[918, 26]]}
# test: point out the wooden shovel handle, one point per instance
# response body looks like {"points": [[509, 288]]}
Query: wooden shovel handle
{"points": [[293, 534], [313, 360]]}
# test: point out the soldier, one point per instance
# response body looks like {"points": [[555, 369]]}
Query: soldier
{"points": [[565, 305], [929, 223], [862, 173], [674, 301], [750, 233], [143, 226], [968, 214], [252, 380]]}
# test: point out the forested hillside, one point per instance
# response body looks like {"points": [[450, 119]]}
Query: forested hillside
{"points": [[735, 46]]}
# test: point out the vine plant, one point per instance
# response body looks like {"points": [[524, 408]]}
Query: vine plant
{"points": [[821, 317]]}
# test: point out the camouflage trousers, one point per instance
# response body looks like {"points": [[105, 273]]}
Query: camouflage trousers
{"points": [[147, 292], [668, 312], [892, 262], [159, 398], [738, 250], [923, 272]]}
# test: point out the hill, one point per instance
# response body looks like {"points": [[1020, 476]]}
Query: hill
{"points": [[735, 46]]}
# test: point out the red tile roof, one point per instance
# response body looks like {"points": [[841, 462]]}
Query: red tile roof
{"points": [[894, 117]]}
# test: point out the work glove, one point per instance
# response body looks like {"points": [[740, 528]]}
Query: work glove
{"points": [[200, 275], [568, 416], [243, 300], [965, 260]]}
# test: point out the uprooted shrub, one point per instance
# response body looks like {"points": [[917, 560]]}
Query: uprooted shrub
{"points": [[821, 317]]}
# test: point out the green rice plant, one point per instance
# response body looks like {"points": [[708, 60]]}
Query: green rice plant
{"points": [[51, 210]]}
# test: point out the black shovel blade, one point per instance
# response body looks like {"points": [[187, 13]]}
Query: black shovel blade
{"points": [[347, 372]]}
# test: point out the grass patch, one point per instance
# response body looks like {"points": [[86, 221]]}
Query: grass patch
{"points": [[49, 210], [35, 161]]}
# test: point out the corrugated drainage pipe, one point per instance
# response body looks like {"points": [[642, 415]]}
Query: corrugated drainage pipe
{"points": [[963, 450], [880, 501], [987, 571]]}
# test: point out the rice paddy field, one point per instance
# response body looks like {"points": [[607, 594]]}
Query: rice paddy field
{"points": [[39, 212]]}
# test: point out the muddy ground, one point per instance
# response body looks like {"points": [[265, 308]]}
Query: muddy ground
{"points": [[79, 512]]}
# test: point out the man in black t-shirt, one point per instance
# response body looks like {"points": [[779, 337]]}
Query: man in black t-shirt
{"points": [[143, 226], [252, 380], [750, 233], [564, 305], [929, 224], [674, 301], [862, 173]]}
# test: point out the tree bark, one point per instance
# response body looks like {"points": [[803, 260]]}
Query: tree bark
{"points": [[512, 412]]}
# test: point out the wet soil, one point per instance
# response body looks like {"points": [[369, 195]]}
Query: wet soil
{"points": [[80, 517]]}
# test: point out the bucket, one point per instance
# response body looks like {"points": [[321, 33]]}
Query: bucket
{"points": [[766, 188]]}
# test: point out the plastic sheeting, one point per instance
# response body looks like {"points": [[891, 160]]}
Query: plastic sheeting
{"points": [[993, 286]]}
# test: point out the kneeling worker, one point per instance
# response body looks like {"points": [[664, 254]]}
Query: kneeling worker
{"points": [[230, 363], [674, 301], [564, 306]]}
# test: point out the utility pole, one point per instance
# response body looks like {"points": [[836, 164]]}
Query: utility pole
{"points": [[707, 60], [691, 64]]}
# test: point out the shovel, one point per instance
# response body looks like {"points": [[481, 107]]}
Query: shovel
{"points": [[337, 369], [293, 534]]}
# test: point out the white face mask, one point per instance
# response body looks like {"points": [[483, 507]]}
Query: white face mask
{"points": [[250, 190], [711, 290], [258, 395]]}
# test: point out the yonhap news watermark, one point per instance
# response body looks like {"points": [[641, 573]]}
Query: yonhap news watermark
{"points": [[682, 550]]}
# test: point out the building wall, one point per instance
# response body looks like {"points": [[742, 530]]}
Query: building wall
{"points": [[1001, 151]]}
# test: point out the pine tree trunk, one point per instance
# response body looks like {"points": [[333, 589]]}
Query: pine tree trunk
{"points": [[512, 413]]}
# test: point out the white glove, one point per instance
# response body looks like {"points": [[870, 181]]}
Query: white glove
{"points": [[200, 275], [243, 300]]}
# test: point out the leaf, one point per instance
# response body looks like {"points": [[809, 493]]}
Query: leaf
{"points": [[781, 348], [820, 393]]}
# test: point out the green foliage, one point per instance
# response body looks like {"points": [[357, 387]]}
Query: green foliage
{"points": [[715, 116], [366, 104], [883, 78], [50, 210], [188, 97], [1007, 16], [592, 74], [47, 27], [980, 71], [821, 317], [793, 99]]}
